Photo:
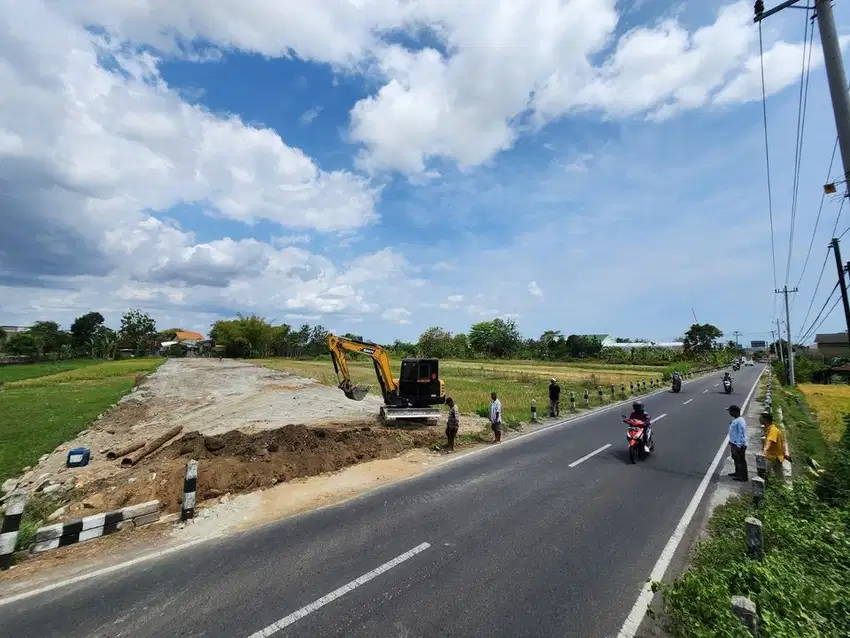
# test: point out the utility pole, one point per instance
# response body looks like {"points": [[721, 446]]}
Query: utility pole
{"points": [[785, 292], [779, 344], [842, 283], [737, 334]]}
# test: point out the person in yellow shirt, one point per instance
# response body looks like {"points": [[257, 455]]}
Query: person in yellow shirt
{"points": [[774, 445]]}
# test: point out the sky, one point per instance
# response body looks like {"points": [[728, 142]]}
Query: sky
{"points": [[382, 166]]}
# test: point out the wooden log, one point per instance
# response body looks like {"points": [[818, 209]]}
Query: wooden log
{"points": [[124, 451], [153, 446]]}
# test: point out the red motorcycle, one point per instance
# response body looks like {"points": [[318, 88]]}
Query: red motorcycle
{"points": [[636, 436]]}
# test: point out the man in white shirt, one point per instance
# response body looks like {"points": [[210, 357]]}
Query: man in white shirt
{"points": [[496, 417]]}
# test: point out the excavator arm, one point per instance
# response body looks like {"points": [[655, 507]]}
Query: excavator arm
{"points": [[339, 346]]}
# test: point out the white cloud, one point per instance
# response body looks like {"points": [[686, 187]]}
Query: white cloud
{"points": [[399, 315], [534, 289], [427, 107], [455, 298], [309, 115]]}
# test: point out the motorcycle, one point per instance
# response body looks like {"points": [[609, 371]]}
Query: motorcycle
{"points": [[677, 385], [727, 386], [736, 367], [636, 437]]}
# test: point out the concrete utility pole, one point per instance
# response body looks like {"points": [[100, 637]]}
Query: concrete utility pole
{"points": [[737, 334], [779, 344], [785, 292], [842, 283]]}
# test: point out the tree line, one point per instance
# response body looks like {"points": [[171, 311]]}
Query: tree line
{"points": [[254, 336]]}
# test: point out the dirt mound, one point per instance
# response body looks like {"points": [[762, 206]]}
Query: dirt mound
{"points": [[236, 462]]}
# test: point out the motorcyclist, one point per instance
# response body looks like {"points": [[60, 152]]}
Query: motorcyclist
{"points": [[639, 414], [676, 376], [727, 377]]}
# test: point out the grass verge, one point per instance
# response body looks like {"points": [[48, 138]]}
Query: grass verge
{"points": [[800, 587], [38, 414]]}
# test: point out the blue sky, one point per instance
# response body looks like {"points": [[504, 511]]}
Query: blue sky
{"points": [[589, 166]]}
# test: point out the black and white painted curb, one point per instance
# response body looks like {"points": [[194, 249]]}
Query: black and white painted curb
{"points": [[89, 527], [11, 524], [190, 485]]}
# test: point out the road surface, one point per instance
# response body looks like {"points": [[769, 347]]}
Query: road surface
{"points": [[552, 534]]}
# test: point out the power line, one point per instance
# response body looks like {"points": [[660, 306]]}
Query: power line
{"points": [[817, 286], [801, 125], [820, 210], [767, 161], [812, 327], [826, 316]]}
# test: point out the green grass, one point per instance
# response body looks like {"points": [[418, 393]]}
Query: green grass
{"points": [[38, 414], [516, 383], [19, 371]]}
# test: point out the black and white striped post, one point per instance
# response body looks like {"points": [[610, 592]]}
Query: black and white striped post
{"points": [[601, 396], [623, 390], [572, 400], [612, 391], [190, 484], [631, 387], [533, 411], [586, 398], [11, 525], [643, 384]]}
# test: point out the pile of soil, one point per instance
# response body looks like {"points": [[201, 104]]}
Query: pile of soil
{"points": [[237, 462]]}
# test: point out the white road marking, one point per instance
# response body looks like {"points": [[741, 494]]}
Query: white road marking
{"points": [[688, 401], [659, 417], [587, 456], [99, 572], [337, 593], [635, 617], [705, 391], [716, 384]]}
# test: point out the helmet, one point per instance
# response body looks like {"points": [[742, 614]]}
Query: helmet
{"points": [[552, 380], [637, 406]]}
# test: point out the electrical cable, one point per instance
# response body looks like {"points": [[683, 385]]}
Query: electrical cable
{"points": [[767, 162], [807, 333]]}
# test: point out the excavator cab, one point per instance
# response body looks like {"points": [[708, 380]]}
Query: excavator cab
{"points": [[419, 383]]}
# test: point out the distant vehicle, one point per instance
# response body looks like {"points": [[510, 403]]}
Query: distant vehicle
{"points": [[748, 362], [727, 386]]}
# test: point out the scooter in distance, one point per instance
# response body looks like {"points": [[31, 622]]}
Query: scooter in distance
{"points": [[636, 437], [677, 385], [727, 386]]}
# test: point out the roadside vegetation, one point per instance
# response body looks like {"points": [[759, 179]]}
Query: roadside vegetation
{"points": [[50, 404], [800, 588]]}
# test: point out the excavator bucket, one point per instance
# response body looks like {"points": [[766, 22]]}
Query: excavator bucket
{"points": [[356, 392]]}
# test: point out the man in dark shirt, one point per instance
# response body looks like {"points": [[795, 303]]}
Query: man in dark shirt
{"points": [[554, 398]]}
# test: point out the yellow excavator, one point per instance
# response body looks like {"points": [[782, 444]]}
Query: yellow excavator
{"points": [[412, 396]]}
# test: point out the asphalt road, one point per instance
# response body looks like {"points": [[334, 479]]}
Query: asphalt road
{"points": [[517, 540]]}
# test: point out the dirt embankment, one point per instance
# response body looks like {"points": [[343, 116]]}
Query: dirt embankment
{"points": [[237, 462]]}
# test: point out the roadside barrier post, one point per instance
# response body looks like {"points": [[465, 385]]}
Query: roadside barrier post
{"points": [[190, 484], [631, 387], [612, 391], [586, 398], [572, 401], [758, 490], [533, 411], [761, 465], [644, 385], [755, 538], [601, 396], [745, 610], [11, 525], [623, 390]]}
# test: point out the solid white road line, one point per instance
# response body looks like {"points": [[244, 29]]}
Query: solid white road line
{"points": [[587, 456], [337, 593], [99, 572], [635, 617], [686, 402]]}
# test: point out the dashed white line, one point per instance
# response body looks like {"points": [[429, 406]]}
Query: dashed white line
{"points": [[716, 384], [336, 593], [659, 417], [587, 456], [635, 617], [686, 402], [705, 391]]}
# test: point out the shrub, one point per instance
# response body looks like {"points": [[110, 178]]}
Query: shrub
{"points": [[833, 486]]}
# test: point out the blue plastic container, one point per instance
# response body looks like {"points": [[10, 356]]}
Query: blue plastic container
{"points": [[78, 457]]}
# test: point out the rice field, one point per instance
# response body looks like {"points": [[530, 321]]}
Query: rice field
{"points": [[831, 403], [516, 383]]}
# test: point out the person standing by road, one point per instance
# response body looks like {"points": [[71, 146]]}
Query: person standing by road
{"points": [[452, 425], [496, 417], [738, 444], [774, 446], [554, 398]]}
